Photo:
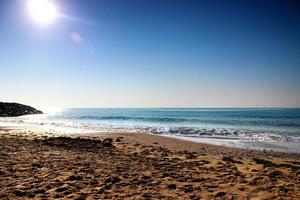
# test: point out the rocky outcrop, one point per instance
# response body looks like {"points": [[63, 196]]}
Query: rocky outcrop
{"points": [[16, 109]]}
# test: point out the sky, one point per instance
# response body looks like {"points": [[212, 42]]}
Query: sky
{"points": [[152, 53]]}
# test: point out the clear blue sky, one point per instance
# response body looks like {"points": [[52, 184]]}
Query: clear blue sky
{"points": [[152, 53]]}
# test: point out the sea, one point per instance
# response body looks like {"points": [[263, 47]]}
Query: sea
{"points": [[263, 128]]}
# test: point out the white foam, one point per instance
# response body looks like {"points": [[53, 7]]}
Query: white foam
{"points": [[234, 138]]}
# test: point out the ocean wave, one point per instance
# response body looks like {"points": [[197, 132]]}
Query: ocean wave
{"points": [[129, 118], [193, 120], [216, 133], [225, 134]]}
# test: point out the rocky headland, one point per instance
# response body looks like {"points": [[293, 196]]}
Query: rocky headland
{"points": [[16, 109]]}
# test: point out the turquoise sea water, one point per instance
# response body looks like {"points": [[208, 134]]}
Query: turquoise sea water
{"points": [[244, 124]]}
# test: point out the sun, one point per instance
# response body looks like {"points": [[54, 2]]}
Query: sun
{"points": [[43, 12]]}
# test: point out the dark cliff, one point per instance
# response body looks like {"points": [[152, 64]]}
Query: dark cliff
{"points": [[16, 109]]}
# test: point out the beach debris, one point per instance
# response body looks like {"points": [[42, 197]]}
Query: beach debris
{"points": [[283, 189], [145, 152], [109, 182], [112, 180], [147, 195], [31, 195], [58, 196], [68, 142], [274, 175], [20, 193], [265, 163], [171, 186], [145, 177], [107, 142], [203, 162], [230, 159], [74, 178], [36, 165], [119, 139], [82, 197], [190, 155], [66, 193], [62, 189], [187, 188], [195, 180], [259, 180], [164, 154], [220, 194]]}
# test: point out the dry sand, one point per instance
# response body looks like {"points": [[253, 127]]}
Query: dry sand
{"points": [[139, 166]]}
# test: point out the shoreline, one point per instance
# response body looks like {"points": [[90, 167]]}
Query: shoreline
{"points": [[173, 143], [277, 146]]}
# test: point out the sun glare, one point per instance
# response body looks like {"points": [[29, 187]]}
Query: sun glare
{"points": [[52, 110], [42, 11]]}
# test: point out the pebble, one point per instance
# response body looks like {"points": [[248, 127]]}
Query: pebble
{"points": [[171, 186]]}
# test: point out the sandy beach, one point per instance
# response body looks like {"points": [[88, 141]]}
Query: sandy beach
{"points": [[41, 165]]}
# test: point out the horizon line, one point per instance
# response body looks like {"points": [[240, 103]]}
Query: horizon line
{"points": [[156, 107]]}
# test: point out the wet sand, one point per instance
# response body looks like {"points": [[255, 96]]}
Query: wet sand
{"points": [[39, 165]]}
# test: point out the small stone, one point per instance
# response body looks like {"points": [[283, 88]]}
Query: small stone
{"points": [[81, 198], [40, 191], [220, 194], [194, 197], [145, 152], [147, 196], [19, 193], [107, 142], [283, 190], [164, 154], [66, 193], [61, 189], [31, 195], [58, 195], [190, 155], [275, 174], [198, 179], [171, 186], [74, 178], [146, 177], [243, 181], [112, 180], [265, 163], [188, 188], [36, 165], [230, 159]]}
